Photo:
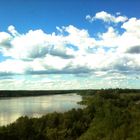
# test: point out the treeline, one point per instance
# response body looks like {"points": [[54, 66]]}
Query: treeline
{"points": [[108, 116], [108, 91], [20, 93]]}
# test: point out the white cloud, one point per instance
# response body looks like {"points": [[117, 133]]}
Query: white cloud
{"points": [[13, 67], [37, 44], [129, 40], [5, 39], [109, 38], [37, 52], [13, 31], [74, 51], [132, 25], [106, 17], [89, 18]]}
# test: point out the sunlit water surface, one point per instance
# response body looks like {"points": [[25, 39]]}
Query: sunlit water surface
{"points": [[13, 108]]}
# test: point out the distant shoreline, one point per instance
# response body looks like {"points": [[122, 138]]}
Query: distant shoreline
{"points": [[26, 93]]}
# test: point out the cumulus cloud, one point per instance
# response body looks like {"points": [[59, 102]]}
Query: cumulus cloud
{"points": [[134, 50], [10, 67], [109, 39], [71, 50], [34, 44], [13, 31], [132, 25], [129, 40], [106, 17], [5, 39], [37, 43]]}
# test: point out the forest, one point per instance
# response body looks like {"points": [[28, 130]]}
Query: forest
{"points": [[25, 93], [112, 114]]}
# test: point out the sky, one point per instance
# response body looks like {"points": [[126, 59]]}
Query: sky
{"points": [[69, 44]]}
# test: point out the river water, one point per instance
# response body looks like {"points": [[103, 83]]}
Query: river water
{"points": [[13, 108]]}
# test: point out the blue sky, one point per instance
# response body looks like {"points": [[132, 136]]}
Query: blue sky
{"points": [[61, 44], [47, 14]]}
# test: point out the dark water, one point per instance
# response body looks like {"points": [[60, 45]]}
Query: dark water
{"points": [[13, 108]]}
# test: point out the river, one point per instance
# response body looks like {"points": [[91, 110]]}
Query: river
{"points": [[36, 106]]}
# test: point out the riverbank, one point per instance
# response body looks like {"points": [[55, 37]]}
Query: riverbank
{"points": [[26, 93]]}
